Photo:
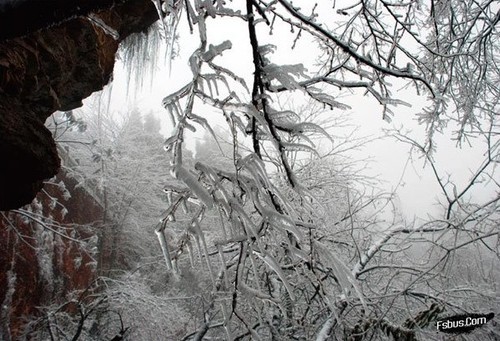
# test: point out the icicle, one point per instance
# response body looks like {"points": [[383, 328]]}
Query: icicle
{"points": [[185, 208], [282, 221], [184, 175], [324, 332], [223, 261], [256, 167], [255, 272], [208, 172], [249, 228], [159, 8], [342, 273], [224, 232], [175, 268], [205, 249], [227, 321], [190, 251], [141, 55], [164, 247], [297, 253], [198, 247], [271, 262]]}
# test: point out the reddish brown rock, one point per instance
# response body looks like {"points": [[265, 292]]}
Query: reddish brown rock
{"points": [[38, 266]]}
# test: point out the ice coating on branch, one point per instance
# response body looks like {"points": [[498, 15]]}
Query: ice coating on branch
{"points": [[342, 273], [207, 5], [266, 49], [167, 145], [324, 332], [271, 262], [299, 147], [171, 103], [194, 63], [208, 171], [189, 179], [368, 255], [256, 167], [164, 248], [204, 123], [300, 254], [199, 235], [216, 50], [282, 117], [308, 127], [395, 102], [257, 293], [327, 99], [285, 75], [282, 221]]}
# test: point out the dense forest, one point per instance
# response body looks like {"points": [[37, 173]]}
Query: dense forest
{"points": [[268, 227]]}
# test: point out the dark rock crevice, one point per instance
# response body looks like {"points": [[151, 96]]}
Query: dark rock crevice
{"points": [[53, 69], [22, 17]]}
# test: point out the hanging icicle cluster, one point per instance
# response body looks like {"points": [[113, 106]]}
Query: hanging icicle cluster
{"points": [[144, 54]]}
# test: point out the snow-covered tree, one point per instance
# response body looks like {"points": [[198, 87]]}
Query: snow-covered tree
{"points": [[275, 262]]}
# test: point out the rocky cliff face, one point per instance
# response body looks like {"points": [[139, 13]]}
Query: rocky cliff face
{"points": [[48, 250], [53, 69]]}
